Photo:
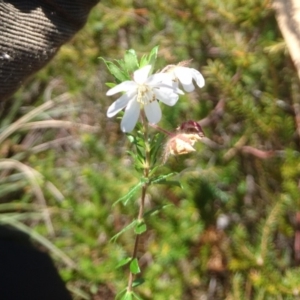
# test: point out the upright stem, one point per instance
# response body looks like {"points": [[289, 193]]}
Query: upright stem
{"points": [[143, 197]]}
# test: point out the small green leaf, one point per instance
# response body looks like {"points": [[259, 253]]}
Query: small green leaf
{"points": [[170, 183], [136, 296], [162, 179], [153, 56], [121, 63], [138, 281], [156, 145], [131, 138], [115, 71], [139, 162], [140, 227], [145, 180], [143, 61], [120, 294], [129, 195], [154, 170], [129, 226], [110, 84], [123, 262], [128, 296], [134, 266], [131, 61], [139, 153], [132, 154], [149, 59], [132, 51], [155, 210]]}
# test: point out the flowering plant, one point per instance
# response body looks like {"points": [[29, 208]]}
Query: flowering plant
{"points": [[142, 92]]}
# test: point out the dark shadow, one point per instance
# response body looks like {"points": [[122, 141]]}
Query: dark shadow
{"points": [[27, 273]]}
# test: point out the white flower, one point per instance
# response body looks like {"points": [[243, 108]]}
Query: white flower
{"points": [[143, 93], [185, 76]]}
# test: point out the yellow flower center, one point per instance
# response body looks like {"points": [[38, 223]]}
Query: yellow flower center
{"points": [[145, 95]]}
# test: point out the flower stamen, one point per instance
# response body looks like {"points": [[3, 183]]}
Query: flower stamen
{"points": [[145, 95]]}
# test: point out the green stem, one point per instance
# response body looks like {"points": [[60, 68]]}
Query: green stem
{"points": [[143, 197]]}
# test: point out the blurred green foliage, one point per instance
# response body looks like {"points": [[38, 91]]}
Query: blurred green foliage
{"points": [[232, 232]]}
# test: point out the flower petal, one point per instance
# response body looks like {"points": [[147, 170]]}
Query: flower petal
{"points": [[184, 75], [122, 87], [198, 78], [176, 89], [163, 80], [159, 78], [167, 96], [188, 87], [131, 116], [119, 104], [140, 76], [153, 112]]}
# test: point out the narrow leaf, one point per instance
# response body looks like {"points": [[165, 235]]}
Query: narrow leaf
{"points": [[162, 177], [154, 170], [134, 266], [138, 282], [170, 183], [128, 296], [123, 262], [132, 154], [136, 296], [130, 194], [121, 63], [153, 56], [140, 227], [139, 152], [156, 146], [143, 61], [115, 71], [120, 294], [131, 138], [110, 84], [149, 59], [129, 226], [131, 61], [155, 210]]}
